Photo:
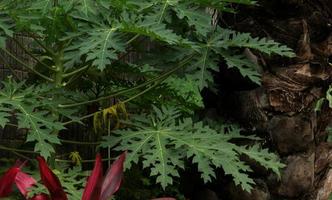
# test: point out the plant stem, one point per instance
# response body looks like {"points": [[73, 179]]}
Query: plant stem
{"points": [[74, 78], [58, 69], [10, 68], [82, 118], [82, 161], [143, 92], [132, 39], [125, 101], [31, 55], [27, 66], [161, 77], [78, 142], [21, 155], [42, 45], [75, 71], [16, 150]]}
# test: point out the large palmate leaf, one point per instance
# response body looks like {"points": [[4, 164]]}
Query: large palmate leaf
{"points": [[162, 140], [219, 43], [26, 104], [187, 89], [203, 66], [101, 46], [150, 27], [73, 181], [86, 6], [226, 38], [195, 17], [244, 65]]}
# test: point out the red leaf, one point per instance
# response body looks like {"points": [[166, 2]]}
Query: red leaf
{"points": [[50, 181], [24, 182], [40, 197], [93, 186], [113, 178], [7, 181]]}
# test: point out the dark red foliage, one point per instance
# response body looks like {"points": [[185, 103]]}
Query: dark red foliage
{"points": [[7, 181], [51, 181]]}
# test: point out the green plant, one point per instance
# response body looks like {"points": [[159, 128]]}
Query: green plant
{"points": [[97, 186], [79, 50], [163, 139]]}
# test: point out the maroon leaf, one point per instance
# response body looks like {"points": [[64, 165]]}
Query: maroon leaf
{"points": [[51, 181], [24, 182], [7, 181], [40, 197], [113, 178], [93, 187]]}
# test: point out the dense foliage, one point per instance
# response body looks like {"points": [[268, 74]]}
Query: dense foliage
{"points": [[152, 58]]}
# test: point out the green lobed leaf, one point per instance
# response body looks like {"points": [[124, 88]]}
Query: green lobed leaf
{"points": [[162, 140], [27, 105]]}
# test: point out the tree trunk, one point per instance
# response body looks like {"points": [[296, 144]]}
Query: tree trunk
{"points": [[282, 109]]}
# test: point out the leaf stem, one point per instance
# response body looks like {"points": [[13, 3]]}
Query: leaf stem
{"points": [[75, 71], [79, 142], [31, 54], [125, 101], [82, 161], [141, 93], [132, 39], [16, 150], [58, 62], [161, 77], [12, 70], [50, 51], [27, 66]]}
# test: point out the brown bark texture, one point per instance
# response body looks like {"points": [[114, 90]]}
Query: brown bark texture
{"points": [[282, 108]]}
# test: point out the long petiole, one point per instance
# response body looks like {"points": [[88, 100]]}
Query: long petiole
{"points": [[132, 39], [82, 161], [125, 101], [79, 142], [143, 92], [27, 66], [76, 71], [42, 45], [161, 77], [16, 150], [12, 70], [31, 54]]}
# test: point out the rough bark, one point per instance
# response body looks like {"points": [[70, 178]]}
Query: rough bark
{"points": [[282, 108]]}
